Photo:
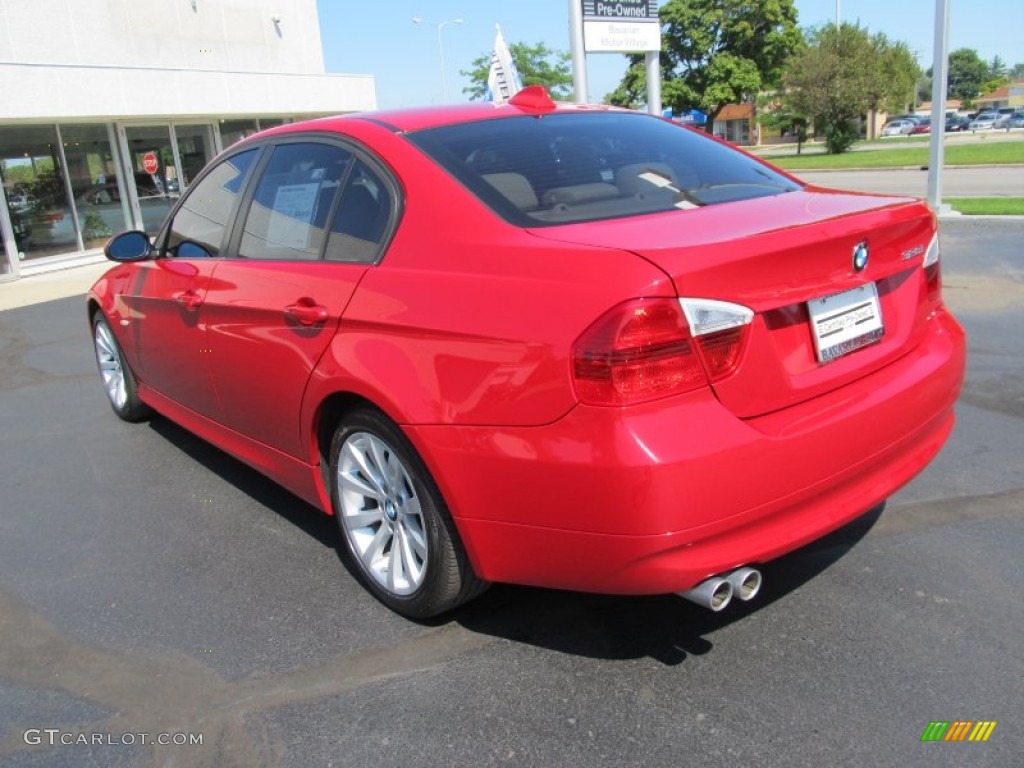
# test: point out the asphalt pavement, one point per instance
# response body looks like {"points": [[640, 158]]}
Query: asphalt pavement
{"points": [[149, 584]]}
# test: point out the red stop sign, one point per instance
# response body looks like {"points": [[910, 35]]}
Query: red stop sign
{"points": [[149, 162]]}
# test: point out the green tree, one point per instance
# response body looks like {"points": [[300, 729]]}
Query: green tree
{"points": [[997, 69], [843, 73], [714, 53], [970, 77], [967, 74], [894, 76], [998, 76], [537, 65], [773, 110]]}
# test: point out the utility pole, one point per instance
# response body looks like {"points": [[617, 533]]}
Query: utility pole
{"points": [[940, 76], [440, 52]]}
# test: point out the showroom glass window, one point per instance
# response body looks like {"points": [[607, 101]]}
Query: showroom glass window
{"points": [[205, 214], [102, 211], [37, 201], [293, 201], [232, 131]]}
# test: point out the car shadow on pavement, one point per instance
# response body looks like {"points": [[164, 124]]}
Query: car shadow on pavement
{"points": [[666, 628], [256, 486]]}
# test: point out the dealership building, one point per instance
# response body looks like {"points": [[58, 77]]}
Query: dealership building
{"points": [[109, 109]]}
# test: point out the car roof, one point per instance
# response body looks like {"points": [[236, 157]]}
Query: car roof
{"points": [[535, 102]]}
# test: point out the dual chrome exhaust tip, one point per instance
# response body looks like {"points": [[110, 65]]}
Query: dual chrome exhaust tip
{"points": [[718, 591]]}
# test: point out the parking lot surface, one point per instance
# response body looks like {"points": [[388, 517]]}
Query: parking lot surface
{"points": [[150, 584]]}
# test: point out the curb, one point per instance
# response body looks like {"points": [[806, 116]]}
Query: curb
{"points": [[901, 168]]}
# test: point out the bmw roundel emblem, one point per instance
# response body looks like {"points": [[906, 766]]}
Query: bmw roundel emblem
{"points": [[860, 257]]}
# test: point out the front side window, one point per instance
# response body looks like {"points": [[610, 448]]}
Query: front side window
{"points": [[564, 168], [291, 207], [201, 222]]}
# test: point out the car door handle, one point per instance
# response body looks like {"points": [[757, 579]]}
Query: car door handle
{"points": [[307, 312], [189, 299]]}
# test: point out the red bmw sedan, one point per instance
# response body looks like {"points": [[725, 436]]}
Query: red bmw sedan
{"points": [[558, 345]]}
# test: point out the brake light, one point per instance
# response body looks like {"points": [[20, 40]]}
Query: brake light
{"points": [[638, 351], [645, 349], [932, 271]]}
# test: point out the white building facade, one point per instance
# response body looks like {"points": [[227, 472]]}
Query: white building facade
{"points": [[108, 109]]}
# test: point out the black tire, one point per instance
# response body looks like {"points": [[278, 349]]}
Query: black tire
{"points": [[118, 378], [396, 532]]}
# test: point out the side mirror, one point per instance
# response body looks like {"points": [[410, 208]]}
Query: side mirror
{"points": [[128, 246]]}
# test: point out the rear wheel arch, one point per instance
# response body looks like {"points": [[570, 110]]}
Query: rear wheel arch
{"points": [[328, 415]]}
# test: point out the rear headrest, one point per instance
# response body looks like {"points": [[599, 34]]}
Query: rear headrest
{"points": [[629, 181], [515, 187], [580, 193]]}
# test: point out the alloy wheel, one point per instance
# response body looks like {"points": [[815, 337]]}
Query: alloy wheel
{"points": [[111, 366], [381, 513]]}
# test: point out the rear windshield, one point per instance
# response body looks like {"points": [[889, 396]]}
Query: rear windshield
{"points": [[563, 168]]}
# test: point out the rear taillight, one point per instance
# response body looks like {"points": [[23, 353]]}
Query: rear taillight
{"points": [[644, 349], [932, 271], [638, 351]]}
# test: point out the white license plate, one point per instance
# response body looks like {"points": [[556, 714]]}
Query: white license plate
{"points": [[845, 321]]}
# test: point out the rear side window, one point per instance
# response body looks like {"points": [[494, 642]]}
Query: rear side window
{"points": [[565, 168], [205, 212], [291, 207], [362, 219]]}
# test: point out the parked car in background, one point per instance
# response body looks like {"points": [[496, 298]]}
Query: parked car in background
{"points": [[1005, 114], [900, 127], [957, 123], [924, 125], [568, 346], [985, 121], [1016, 120]]}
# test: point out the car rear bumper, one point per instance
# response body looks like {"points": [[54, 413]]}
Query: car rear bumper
{"points": [[655, 499]]}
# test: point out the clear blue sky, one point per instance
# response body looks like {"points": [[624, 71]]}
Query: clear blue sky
{"points": [[403, 56]]}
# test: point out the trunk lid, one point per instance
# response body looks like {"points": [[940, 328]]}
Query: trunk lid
{"points": [[774, 255]]}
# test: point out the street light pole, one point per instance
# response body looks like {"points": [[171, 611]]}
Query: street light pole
{"points": [[440, 51]]}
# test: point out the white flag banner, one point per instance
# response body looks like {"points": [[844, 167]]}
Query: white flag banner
{"points": [[503, 80]]}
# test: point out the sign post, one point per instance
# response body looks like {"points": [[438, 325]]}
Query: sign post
{"points": [[579, 55], [940, 81], [617, 26]]}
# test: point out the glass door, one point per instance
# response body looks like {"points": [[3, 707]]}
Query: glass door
{"points": [[195, 150], [150, 157], [162, 160]]}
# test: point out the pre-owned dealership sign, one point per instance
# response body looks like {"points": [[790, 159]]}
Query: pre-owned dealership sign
{"points": [[621, 26]]}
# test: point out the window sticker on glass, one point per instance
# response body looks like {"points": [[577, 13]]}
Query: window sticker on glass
{"points": [[293, 211]]}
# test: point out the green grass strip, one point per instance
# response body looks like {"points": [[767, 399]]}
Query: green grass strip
{"points": [[994, 153], [987, 206]]}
